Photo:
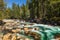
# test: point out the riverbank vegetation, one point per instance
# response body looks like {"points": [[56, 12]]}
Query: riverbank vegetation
{"points": [[44, 10]]}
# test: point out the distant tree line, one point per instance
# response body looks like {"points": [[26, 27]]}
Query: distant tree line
{"points": [[48, 11], [44, 10]]}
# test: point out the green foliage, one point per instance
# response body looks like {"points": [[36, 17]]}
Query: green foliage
{"points": [[49, 9]]}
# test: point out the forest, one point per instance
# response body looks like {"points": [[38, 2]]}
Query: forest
{"points": [[47, 11]]}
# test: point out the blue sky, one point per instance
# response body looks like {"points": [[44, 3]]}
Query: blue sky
{"points": [[9, 2]]}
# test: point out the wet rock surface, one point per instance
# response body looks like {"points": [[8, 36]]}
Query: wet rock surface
{"points": [[13, 30]]}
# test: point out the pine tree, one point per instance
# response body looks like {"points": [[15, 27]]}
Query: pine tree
{"points": [[1, 9], [1, 5]]}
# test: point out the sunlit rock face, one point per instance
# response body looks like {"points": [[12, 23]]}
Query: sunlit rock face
{"points": [[57, 37], [7, 36], [33, 34], [27, 31], [10, 22]]}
